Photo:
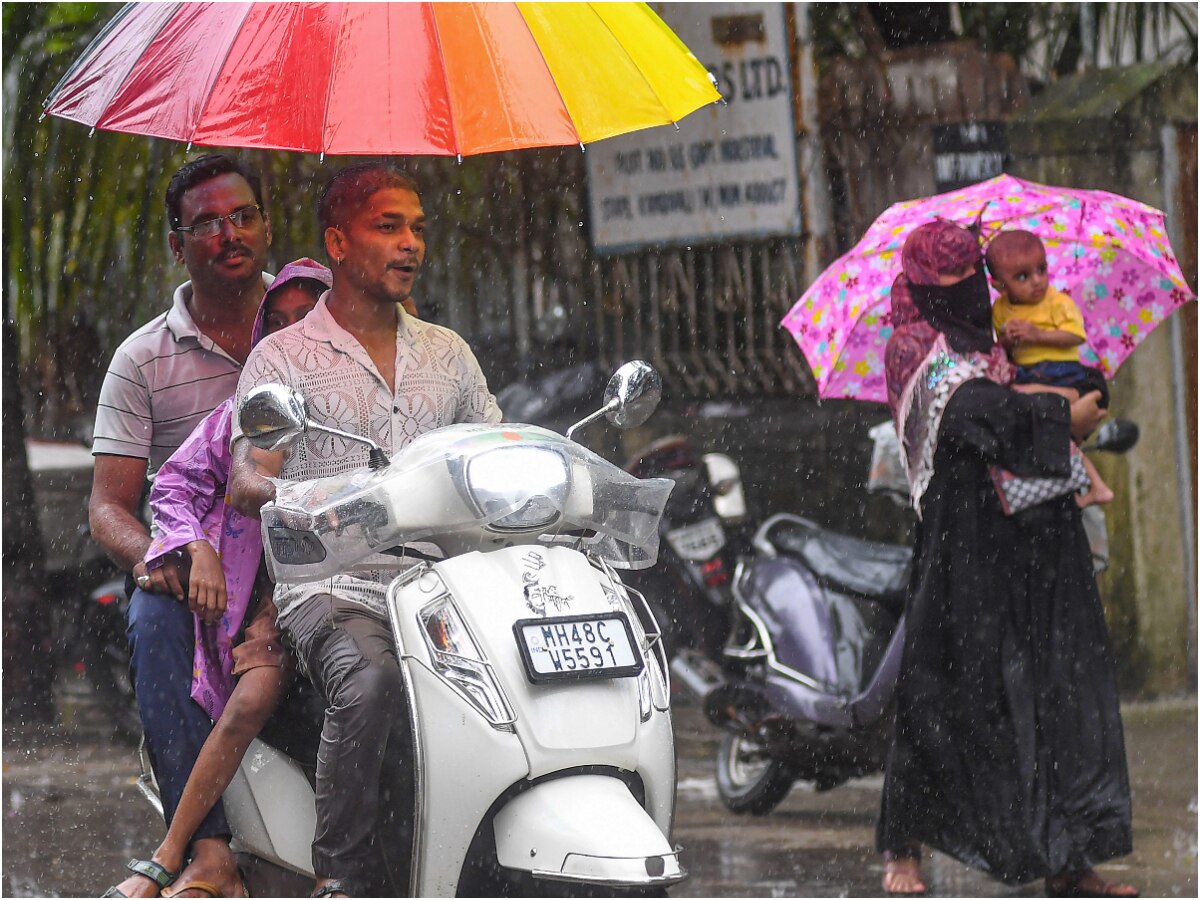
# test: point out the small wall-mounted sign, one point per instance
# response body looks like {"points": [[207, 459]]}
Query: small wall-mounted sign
{"points": [[968, 152]]}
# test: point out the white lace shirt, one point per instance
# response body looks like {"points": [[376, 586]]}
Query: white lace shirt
{"points": [[438, 383]]}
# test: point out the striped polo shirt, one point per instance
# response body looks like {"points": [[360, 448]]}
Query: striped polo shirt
{"points": [[164, 378]]}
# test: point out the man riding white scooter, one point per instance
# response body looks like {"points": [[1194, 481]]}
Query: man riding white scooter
{"points": [[370, 369]]}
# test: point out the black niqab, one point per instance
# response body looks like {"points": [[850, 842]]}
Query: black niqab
{"points": [[961, 311]]}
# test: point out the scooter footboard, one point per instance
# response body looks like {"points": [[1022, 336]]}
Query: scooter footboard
{"points": [[585, 828]]}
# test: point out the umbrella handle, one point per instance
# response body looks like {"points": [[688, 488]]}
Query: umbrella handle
{"points": [[976, 227]]}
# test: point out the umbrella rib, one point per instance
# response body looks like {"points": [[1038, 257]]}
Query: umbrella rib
{"points": [[550, 74], [437, 36], [633, 62], [337, 52], [213, 84]]}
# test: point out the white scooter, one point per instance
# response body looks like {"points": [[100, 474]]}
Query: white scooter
{"points": [[537, 692]]}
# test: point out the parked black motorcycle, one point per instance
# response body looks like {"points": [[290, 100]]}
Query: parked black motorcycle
{"points": [[104, 653], [702, 538]]}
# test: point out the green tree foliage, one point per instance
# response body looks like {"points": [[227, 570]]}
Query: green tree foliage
{"points": [[79, 259], [1047, 40]]}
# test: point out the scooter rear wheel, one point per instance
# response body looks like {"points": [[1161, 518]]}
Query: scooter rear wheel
{"points": [[749, 780]]}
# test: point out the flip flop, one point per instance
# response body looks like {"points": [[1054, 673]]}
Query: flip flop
{"points": [[204, 887], [147, 868], [337, 886], [207, 887]]}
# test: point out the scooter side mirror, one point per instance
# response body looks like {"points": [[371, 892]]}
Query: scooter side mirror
{"points": [[632, 395], [273, 416]]}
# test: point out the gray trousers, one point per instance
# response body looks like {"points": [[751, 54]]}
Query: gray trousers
{"points": [[348, 653]]}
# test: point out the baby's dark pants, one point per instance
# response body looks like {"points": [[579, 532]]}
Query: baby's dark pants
{"points": [[1072, 375]]}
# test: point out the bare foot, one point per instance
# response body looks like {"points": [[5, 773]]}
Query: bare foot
{"points": [[1096, 495], [902, 877], [1087, 884]]}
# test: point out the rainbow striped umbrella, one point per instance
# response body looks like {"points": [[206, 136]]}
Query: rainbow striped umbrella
{"points": [[383, 78]]}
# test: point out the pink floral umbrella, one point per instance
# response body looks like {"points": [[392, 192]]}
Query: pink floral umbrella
{"points": [[1109, 253]]}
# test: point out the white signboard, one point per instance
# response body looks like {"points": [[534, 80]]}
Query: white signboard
{"points": [[729, 170]]}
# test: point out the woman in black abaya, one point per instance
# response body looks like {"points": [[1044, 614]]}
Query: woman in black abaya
{"points": [[1008, 753]]}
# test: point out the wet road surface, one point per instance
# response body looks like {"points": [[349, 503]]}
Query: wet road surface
{"points": [[72, 817], [821, 844]]}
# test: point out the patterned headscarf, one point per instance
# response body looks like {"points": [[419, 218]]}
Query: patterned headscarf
{"points": [[938, 248], [940, 341], [933, 249]]}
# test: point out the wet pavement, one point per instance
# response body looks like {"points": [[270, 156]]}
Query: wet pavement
{"points": [[821, 844], [72, 816]]}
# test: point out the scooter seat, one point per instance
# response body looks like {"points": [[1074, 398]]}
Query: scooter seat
{"points": [[866, 568]]}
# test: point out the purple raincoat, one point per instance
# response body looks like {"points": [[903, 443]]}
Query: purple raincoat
{"points": [[190, 502]]}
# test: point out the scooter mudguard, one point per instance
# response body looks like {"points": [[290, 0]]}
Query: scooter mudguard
{"points": [[272, 809], [585, 828]]}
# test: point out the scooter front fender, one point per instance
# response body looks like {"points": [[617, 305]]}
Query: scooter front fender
{"points": [[585, 828]]}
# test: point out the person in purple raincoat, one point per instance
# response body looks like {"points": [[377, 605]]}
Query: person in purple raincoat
{"points": [[239, 674]]}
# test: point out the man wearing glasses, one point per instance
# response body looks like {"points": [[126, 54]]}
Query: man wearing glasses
{"points": [[165, 378]]}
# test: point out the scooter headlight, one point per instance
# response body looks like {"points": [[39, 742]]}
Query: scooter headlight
{"points": [[457, 659], [501, 478]]}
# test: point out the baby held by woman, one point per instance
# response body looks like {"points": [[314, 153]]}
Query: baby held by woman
{"points": [[1041, 328]]}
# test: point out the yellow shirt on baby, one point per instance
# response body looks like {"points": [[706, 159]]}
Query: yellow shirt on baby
{"points": [[1054, 312]]}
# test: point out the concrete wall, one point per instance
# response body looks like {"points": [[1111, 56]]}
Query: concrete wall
{"points": [[1149, 590]]}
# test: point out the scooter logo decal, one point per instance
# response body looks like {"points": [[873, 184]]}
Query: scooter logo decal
{"points": [[537, 595], [534, 563], [613, 598]]}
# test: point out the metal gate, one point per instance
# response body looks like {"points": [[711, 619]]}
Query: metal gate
{"points": [[707, 318]]}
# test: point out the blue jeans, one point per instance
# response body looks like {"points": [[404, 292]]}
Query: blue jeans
{"points": [[161, 644]]}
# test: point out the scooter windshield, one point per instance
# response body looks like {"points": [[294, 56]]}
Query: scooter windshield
{"points": [[462, 484]]}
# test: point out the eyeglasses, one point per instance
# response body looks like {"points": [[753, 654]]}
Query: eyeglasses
{"points": [[239, 218]]}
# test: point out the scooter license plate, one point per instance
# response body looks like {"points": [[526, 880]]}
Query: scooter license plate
{"points": [[600, 645], [698, 542]]}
